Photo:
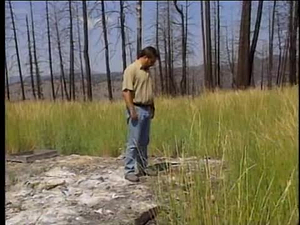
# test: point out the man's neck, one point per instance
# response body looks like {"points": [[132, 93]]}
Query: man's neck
{"points": [[139, 61]]}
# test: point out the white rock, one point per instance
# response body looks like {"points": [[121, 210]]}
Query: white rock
{"points": [[100, 211], [59, 172], [90, 201]]}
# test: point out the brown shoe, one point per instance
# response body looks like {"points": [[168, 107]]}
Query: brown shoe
{"points": [[132, 177], [147, 172]]}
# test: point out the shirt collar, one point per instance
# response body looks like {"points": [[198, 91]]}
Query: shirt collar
{"points": [[139, 65]]}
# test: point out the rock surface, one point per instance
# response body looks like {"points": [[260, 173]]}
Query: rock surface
{"points": [[77, 190]]}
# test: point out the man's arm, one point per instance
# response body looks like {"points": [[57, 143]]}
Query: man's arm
{"points": [[128, 90], [128, 97], [152, 110]]}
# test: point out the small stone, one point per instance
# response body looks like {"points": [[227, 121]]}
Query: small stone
{"points": [[53, 184], [109, 212], [100, 211]]}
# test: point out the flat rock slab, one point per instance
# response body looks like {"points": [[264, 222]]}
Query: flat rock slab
{"points": [[31, 156], [74, 190]]}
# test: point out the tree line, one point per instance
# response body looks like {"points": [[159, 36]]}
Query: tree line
{"points": [[173, 39]]}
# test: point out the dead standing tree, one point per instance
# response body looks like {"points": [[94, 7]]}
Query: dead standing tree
{"points": [[203, 42], [293, 25], [110, 96], [49, 50], [123, 36], [279, 35], [6, 79], [271, 38], [86, 52], [17, 51], [30, 59], [218, 45], [183, 83], [37, 70], [139, 27], [254, 41], [209, 83], [244, 46], [80, 54], [71, 73], [61, 63]]}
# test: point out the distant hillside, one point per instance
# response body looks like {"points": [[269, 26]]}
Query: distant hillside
{"points": [[96, 77], [195, 73]]}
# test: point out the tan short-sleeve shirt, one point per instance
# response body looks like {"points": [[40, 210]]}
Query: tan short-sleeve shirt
{"points": [[139, 81]]}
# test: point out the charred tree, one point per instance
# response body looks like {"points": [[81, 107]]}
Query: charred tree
{"points": [[110, 96], [49, 50], [17, 51], [30, 59], [86, 52]]}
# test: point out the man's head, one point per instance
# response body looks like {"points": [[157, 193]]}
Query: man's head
{"points": [[148, 57]]}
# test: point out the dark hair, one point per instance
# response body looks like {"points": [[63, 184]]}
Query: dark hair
{"points": [[149, 52]]}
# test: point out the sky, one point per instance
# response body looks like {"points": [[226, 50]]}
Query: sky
{"points": [[230, 15]]}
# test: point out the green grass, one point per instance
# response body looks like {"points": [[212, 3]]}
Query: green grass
{"points": [[256, 132]]}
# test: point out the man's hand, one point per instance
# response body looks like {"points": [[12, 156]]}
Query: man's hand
{"points": [[152, 112], [133, 114], [128, 97]]}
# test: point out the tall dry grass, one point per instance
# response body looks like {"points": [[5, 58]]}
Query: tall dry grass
{"points": [[255, 132]]}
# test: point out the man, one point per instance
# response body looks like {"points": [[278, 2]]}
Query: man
{"points": [[138, 95]]}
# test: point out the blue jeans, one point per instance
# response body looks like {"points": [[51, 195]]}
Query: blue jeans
{"points": [[136, 157]]}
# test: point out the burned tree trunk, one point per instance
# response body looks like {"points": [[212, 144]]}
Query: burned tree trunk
{"points": [[271, 37], [72, 78], [203, 43], [30, 59], [279, 34], [7, 81], [262, 71], [183, 53], [122, 24], [233, 61], [254, 40], [139, 27], [49, 49], [244, 46], [218, 46], [186, 47], [17, 51], [110, 96], [167, 82], [80, 55], [62, 71], [86, 53], [37, 71], [208, 82], [293, 41]]}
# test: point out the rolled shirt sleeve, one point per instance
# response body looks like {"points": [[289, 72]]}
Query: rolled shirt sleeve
{"points": [[128, 79]]}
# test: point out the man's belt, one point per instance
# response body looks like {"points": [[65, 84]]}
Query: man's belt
{"points": [[142, 105]]}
